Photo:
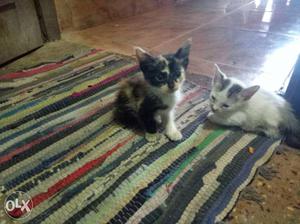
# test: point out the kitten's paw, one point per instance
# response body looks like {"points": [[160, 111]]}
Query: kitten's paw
{"points": [[152, 137], [211, 116], [272, 133], [174, 135], [158, 119]]}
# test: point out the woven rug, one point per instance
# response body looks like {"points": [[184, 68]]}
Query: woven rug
{"points": [[60, 145]]}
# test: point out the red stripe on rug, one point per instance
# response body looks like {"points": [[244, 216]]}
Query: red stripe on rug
{"points": [[43, 68], [17, 151], [26, 147], [120, 74], [36, 200]]}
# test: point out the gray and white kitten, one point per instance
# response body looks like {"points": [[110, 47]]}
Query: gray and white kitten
{"points": [[250, 108]]}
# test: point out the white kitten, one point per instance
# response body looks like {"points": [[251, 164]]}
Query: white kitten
{"points": [[250, 108]]}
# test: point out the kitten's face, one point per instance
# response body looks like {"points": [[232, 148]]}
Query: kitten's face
{"points": [[165, 72], [221, 102], [228, 94]]}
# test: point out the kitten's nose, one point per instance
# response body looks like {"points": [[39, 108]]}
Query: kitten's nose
{"points": [[171, 85], [214, 109]]}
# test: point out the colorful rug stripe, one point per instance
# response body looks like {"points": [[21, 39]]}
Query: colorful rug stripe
{"points": [[40, 69]]}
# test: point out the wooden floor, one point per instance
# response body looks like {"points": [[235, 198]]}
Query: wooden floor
{"points": [[255, 40]]}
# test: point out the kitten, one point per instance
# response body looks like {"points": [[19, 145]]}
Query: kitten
{"points": [[250, 108], [149, 101]]}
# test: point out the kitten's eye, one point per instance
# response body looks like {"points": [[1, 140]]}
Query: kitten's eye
{"points": [[213, 98], [160, 77], [225, 105]]}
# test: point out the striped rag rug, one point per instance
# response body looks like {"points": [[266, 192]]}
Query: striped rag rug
{"points": [[60, 145]]}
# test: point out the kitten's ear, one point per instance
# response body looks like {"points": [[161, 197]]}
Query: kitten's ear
{"points": [[142, 55], [182, 54], [184, 50], [219, 77], [247, 93]]}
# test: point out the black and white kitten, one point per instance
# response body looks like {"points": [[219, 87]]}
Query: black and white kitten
{"points": [[250, 108], [149, 101]]}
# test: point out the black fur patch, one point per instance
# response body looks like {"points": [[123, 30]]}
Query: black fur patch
{"points": [[234, 90], [155, 70], [141, 118], [149, 107], [126, 115]]}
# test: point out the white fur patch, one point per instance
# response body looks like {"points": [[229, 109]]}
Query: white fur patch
{"points": [[166, 68], [171, 130], [173, 133]]}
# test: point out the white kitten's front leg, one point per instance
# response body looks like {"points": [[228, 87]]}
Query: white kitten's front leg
{"points": [[213, 117], [210, 116], [272, 132], [171, 130]]}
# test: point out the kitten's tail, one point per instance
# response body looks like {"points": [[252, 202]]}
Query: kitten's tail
{"points": [[292, 129]]}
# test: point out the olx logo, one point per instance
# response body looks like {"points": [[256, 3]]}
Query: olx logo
{"points": [[18, 205]]}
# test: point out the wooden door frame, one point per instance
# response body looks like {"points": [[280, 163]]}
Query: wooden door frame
{"points": [[45, 22], [47, 16]]}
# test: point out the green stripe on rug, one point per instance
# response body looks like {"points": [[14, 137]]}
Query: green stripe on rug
{"points": [[209, 139]]}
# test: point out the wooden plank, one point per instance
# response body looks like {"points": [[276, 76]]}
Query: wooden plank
{"points": [[48, 19], [19, 30]]}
